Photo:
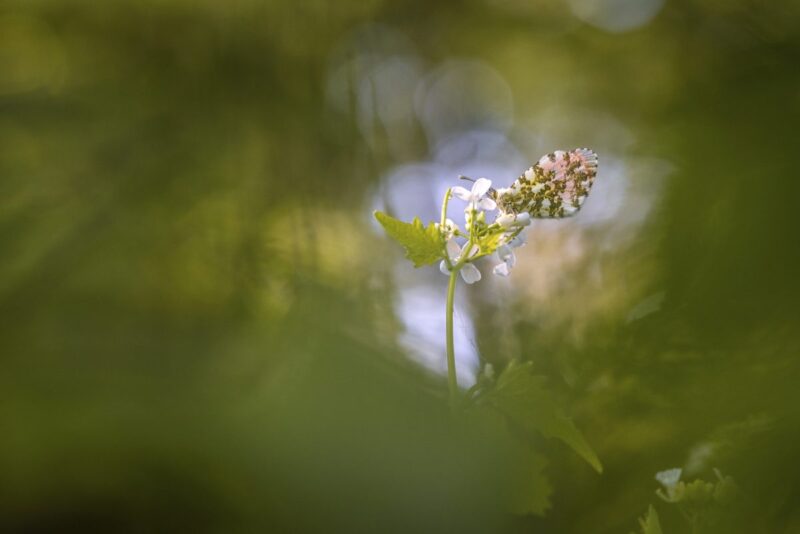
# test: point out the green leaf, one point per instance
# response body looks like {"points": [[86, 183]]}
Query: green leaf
{"points": [[524, 399], [524, 484], [531, 488], [649, 523], [423, 245]]}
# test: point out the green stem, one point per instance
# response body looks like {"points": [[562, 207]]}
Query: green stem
{"points": [[444, 207], [695, 524], [452, 381]]}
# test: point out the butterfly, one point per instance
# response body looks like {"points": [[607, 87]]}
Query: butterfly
{"points": [[555, 186]]}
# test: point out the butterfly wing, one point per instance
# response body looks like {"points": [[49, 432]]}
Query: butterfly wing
{"points": [[556, 186]]}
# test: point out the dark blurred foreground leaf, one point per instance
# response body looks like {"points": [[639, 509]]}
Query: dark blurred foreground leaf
{"points": [[531, 488], [650, 523], [527, 489], [522, 397]]}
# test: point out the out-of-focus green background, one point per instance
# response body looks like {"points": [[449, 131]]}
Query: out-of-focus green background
{"points": [[202, 330]]}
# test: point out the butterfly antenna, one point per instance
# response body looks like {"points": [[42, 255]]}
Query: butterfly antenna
{"points": [[467, 178]]}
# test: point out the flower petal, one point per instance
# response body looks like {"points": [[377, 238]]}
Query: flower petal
{"points": [[443, 268], [460, 192], [504, 252], [501, 269], [470, 273], [670, 477], [523, 219], [481, 187], [518, 241], [511, 260], [453, 250], [487, 204], [505, 219]]}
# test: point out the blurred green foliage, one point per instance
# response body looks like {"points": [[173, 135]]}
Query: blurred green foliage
{"points": [[196, 321]]}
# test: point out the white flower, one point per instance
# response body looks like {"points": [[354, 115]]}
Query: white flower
{"points": [[507, 220], [669, 478], [519, 241], [523, 219], [477, 196], [469, 272], [506, 255]]}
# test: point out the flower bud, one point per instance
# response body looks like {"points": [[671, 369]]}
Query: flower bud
{"points": [[506, 220], [523, 219]]}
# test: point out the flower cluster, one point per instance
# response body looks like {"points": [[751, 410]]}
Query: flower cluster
{"points": [[505, 233]]}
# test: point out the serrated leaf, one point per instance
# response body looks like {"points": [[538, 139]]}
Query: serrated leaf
{"points": [[524, 399], [423, 245], [531, 487], [650, 523]]}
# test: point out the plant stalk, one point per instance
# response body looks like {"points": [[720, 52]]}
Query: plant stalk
{"points": [[452, 381], [444, 207]]}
